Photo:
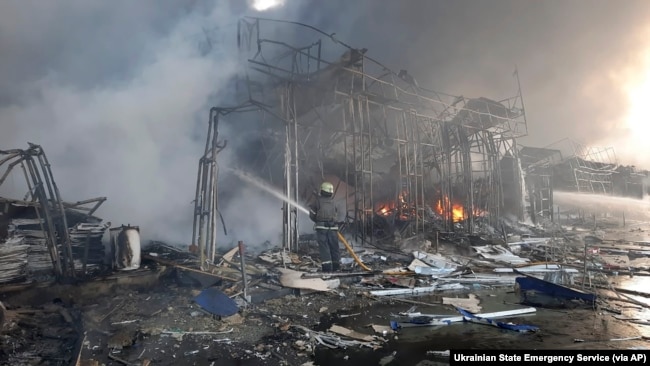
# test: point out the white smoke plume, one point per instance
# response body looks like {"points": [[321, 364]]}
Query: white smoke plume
{"points": [[134, 134]]}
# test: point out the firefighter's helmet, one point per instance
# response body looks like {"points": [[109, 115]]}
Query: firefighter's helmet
{"points": [[327, 187]]}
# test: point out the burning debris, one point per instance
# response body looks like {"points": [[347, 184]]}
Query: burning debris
{"points": [[434, 192], [404, 161]]}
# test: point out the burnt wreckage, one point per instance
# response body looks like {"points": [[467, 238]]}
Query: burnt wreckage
{"points": [[404, 160], [41, 236]]}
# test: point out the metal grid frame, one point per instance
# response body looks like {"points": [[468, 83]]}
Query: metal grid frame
{"points": [[348, 116]]}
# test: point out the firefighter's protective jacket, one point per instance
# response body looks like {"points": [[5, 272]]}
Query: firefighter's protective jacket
{"points": [[324, 213]]}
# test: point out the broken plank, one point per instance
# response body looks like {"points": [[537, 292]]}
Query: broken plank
{"points": [[405, 291], [351, 333], [340, 274], [293, 279], [228, 256], [470, 303]]}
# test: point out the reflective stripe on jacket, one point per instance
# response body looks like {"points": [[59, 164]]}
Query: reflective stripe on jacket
{"points": [[325, 226]]}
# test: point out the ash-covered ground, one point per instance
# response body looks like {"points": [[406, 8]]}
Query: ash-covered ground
{"points": [[150, 317]]}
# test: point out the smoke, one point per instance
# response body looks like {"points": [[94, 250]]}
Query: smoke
{"points": [[594, 204], [121, 114], [118, 92], [582, 64]]}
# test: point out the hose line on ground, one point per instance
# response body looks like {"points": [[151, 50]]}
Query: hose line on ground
{"points": [[352, 253]]}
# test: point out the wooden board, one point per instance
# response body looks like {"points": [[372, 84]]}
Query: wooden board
{"points": [[470, 304], [293, 279], [351, 333]]}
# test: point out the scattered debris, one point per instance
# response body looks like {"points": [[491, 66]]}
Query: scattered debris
{"points": [[65, 303]]}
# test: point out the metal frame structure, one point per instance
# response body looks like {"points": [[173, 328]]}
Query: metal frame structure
{"points": [[592, 167], [538, 166], [399, 148], [43, 194]]}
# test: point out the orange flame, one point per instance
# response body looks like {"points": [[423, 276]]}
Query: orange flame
{"points": [[400, 206], [457, 210]]}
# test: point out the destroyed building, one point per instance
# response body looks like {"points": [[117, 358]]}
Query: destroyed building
{"points": [[573, 167], [43, 237], [404, 160]]}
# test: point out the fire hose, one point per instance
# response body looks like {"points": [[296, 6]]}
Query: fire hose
{"points": [[352, 253]]}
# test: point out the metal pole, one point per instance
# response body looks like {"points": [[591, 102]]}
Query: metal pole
{"points": [[437, 242], [242, 262], [202, 230], [215, 210], [296, 167], [584, 270]]}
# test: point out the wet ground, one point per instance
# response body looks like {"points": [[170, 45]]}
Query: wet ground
{"points": [[264, 336], [138, 319]]}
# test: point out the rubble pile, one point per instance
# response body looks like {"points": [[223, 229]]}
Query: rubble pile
{"points": [[13, 260], [39, 261], [43, 335], [289, 313], [87, 245]]}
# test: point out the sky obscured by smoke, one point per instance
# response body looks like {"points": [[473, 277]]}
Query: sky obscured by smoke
{"points": [[118, 92]]}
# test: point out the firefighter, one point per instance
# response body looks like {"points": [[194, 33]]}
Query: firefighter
{"points": [[324, 213]]}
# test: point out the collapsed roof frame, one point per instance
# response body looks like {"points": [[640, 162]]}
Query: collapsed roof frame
{"points": [[351, 107], [593, 167], [43, 194]]}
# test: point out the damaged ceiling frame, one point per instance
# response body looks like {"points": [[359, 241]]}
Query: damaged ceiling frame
{"points": [[376, 133], [346, 97], [570, 165]]}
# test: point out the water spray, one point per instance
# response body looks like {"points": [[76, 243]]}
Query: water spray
{"points": [[264, 186]]}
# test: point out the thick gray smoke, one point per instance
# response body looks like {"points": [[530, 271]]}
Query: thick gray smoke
{"points": [[118, 92], [118, 96], [584, 65]]}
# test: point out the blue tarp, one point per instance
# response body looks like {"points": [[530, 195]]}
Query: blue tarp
{"points": [[216, 302]]}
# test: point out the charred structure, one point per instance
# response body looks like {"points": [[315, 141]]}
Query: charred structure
{"points": [[404, 160], [572, 167], [41, 236]]}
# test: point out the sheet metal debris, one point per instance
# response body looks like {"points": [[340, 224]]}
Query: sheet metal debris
{"points": [[498, 253], [523, 328], [418, 290], [428, 320]]}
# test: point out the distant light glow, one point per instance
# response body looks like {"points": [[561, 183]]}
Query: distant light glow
{"points": [[264, 5], [638, 93]]}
